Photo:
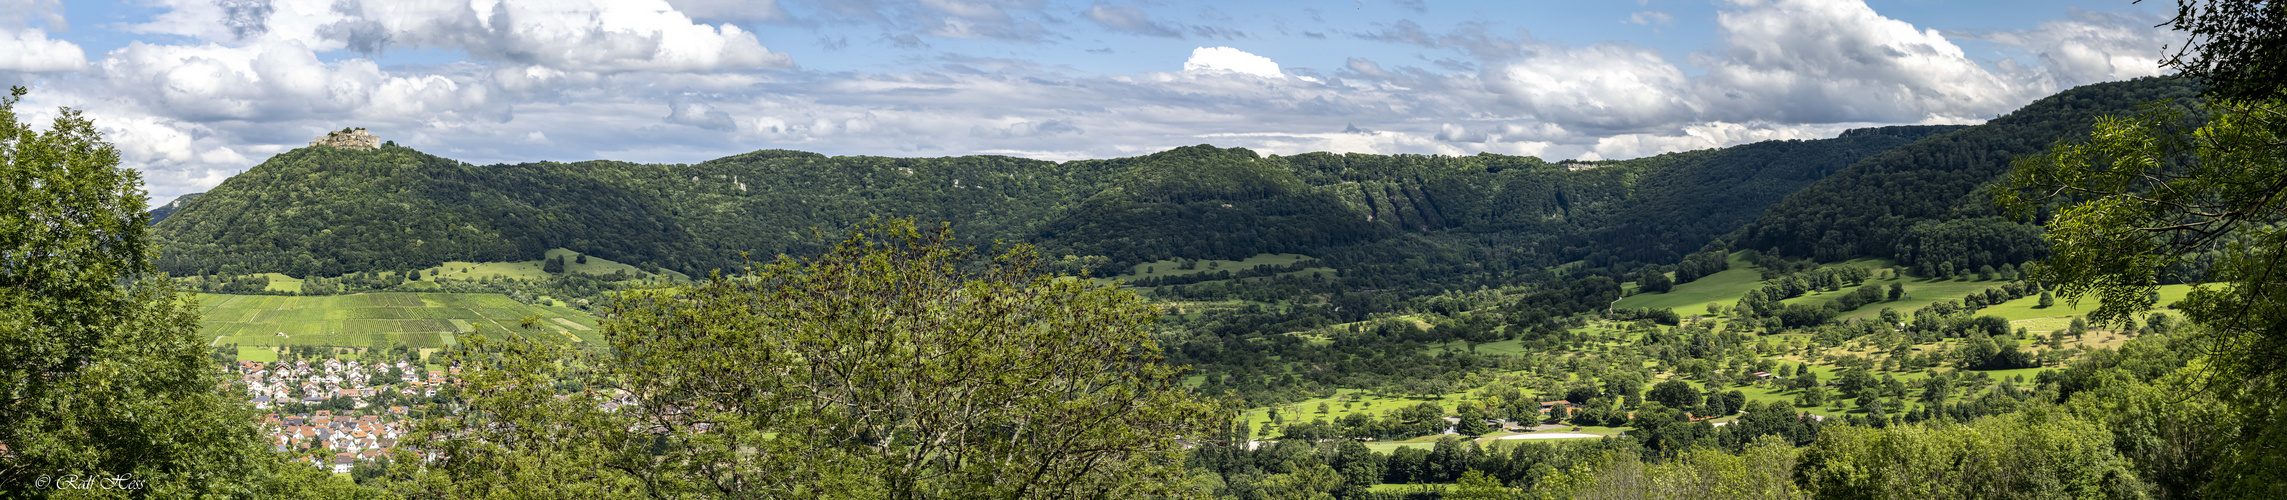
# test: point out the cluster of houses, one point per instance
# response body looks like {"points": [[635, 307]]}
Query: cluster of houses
{"points": [[353, 438], [277, 383]]}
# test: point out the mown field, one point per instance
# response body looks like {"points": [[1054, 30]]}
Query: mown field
{"points": [[422, 320]]}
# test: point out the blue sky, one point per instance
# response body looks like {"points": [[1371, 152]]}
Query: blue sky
{"points": [[194, 91]]}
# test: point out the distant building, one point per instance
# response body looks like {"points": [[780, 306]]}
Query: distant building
{"points": [[353, 138]]}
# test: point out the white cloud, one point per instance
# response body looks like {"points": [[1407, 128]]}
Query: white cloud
{"points": [[732, 10], [1651, 17], [1605, 86], [1211, 59], [274, 81], [2089, 47], [1824, 61], [1711, 135], [30, 50], [646, 80], [1281, 143], [1127, 18], [581, 35]]}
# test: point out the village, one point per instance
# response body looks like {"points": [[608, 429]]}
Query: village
{"points": [[334, 413]]}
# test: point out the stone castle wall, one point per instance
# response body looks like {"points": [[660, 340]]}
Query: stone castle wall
{"points": [[356, 138]]}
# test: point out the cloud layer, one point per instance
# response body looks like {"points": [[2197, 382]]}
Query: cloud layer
{"points": [[218, 85]]}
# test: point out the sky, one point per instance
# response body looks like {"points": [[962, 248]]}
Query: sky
{"points": [[194, 91]]}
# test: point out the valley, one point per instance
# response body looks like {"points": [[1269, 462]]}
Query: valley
{"points": [[1408, 309], [1380, 250]]}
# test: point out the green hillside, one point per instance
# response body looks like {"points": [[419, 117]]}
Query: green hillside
{"points": [[1722, 288], [1924, 203], [330, 212]]}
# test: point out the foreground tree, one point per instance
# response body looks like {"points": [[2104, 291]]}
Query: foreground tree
{"points": [[2038, 453], [102, 371], [894, 366], [2152, 192]]}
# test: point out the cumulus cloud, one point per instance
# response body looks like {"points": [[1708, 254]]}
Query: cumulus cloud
{"points": [[586, 35], [244, 79], [1832, 61], [30, 50], [1212, 59], [1604, 86], [732, 10], [1711, 135], [272, 81], [1799, 62], [685, 111], [2088, 47], [24, 42]]}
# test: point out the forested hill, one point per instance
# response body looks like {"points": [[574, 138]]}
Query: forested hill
{"points": [[1417, 221], [1926, 204]]}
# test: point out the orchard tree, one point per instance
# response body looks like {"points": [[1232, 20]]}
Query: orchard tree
{"points": [[1651, 280], [1674, 394]]}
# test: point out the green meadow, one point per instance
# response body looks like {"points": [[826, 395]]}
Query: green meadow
{"points": [[1728, 286], [421, 320], [2026, 311], [1692, 298], [532, 269]]}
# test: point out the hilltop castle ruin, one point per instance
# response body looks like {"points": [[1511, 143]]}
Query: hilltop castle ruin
{"points": [[349, 138]]}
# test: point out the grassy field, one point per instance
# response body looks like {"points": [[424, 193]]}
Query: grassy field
{"points": [[531, 269], [422, 320], [2024, 311], [1920, 293], [1728, 286], [1692, 298], [283, 283], [261, 354]]}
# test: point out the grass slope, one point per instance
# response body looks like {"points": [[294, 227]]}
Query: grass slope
{"points": [[1691, 298], [2025, 312], [283, 283], [531, 269], [422, 320]]}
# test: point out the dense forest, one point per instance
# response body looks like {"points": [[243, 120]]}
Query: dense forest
{"points": [[1929, 202], [322, 211]]}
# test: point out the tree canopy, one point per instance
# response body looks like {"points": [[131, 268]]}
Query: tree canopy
{"points": [[897, 365], [100, 360]]}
